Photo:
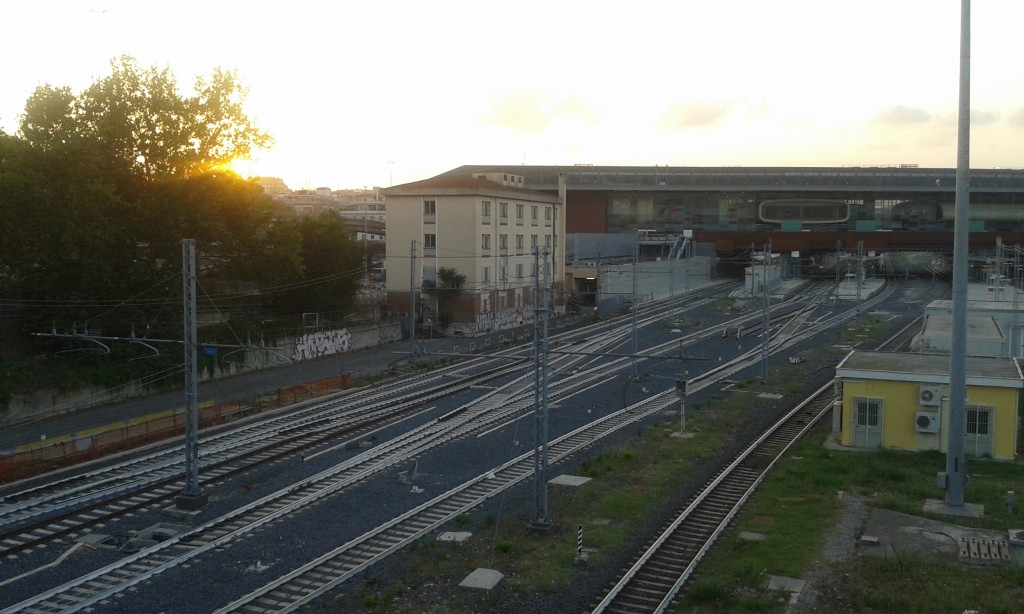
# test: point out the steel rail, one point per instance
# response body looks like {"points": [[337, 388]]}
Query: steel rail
{"points": [[654, 581], [313, 579], [123, 574]]}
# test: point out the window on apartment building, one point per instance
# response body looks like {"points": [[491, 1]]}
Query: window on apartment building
{"points": [[429, 207], [519, 213], [519, 242], [429, 241], [485, 241], [503, 273], [484, 305], [519, 271], [533, 241], [533, 214], [485, 274], [485, 212], [547, 214], [503, 212], [502, 241]]}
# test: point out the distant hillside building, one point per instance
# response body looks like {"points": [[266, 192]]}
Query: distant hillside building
{"points": [[273, 186], [487, 227]]}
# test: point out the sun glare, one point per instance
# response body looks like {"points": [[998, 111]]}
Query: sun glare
{"points": [[243, 167]]}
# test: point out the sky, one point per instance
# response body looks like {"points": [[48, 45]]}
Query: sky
{"points": [[361, 93]]}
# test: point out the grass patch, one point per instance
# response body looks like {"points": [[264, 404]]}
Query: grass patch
{"points": [[797, 506], [913, 586], [629, 484]]}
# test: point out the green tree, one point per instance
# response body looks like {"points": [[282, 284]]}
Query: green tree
{"points": [[60, 239], [332, 269], [143, 125], [449, 283], [98, 189]]}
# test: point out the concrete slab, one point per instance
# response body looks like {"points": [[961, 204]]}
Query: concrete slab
{"points": [[93, 539], [930, 540], [1016, 537], [179, 514], [601, 521], [482, 578], [569, 480], [967, 510], [683, 435], [783, 583], [454, 536], [750, 536]]}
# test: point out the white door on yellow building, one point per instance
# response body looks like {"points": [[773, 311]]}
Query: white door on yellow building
{"points": [[867, 423], [978, 434]]}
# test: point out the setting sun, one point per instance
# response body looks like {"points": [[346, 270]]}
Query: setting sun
{"points": [[243, 167]]}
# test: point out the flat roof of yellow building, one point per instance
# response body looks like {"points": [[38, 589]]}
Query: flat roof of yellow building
{"points": [[929, 368]]}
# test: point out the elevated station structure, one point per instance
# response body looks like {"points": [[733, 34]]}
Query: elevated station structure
{"points": [[794, 209]]}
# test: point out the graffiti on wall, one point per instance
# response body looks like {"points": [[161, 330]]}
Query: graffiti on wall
{"points": [[326, 343], [506, 318]]}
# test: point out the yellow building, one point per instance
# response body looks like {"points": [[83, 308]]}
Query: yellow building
{"points": [[901, 401]]}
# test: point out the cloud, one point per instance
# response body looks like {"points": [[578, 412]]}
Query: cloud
{"points": [[1016, 118], [535, 112], [902, 116], [686, 115]]}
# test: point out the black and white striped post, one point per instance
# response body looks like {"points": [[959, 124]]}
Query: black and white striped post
{"points": [[579, 543]]}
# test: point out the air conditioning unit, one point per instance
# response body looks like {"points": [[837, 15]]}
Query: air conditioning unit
{"points": [[926, 422], [930, 396]]}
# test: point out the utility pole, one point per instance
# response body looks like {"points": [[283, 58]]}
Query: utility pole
{"points": [[190, 497], [632, 358], [860, 273], [542, 515], [683, 386], [1014, 346], [838, 244], [998, 285], [412, 295], [765, 321]]}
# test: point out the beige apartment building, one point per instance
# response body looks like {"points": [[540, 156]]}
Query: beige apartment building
{"points": [[487, 227]]}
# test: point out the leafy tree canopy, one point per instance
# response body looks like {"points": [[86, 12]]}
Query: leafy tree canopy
{"points": [[143, 125], [98, 189]]}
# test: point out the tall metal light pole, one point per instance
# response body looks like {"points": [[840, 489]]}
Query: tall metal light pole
{"points": [[955, 458]]}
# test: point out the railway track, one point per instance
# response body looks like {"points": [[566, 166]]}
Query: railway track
{"points": [[655, 580], [326, 572], [504, 404], [31, 517], [38, 517], [508, 401]]}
